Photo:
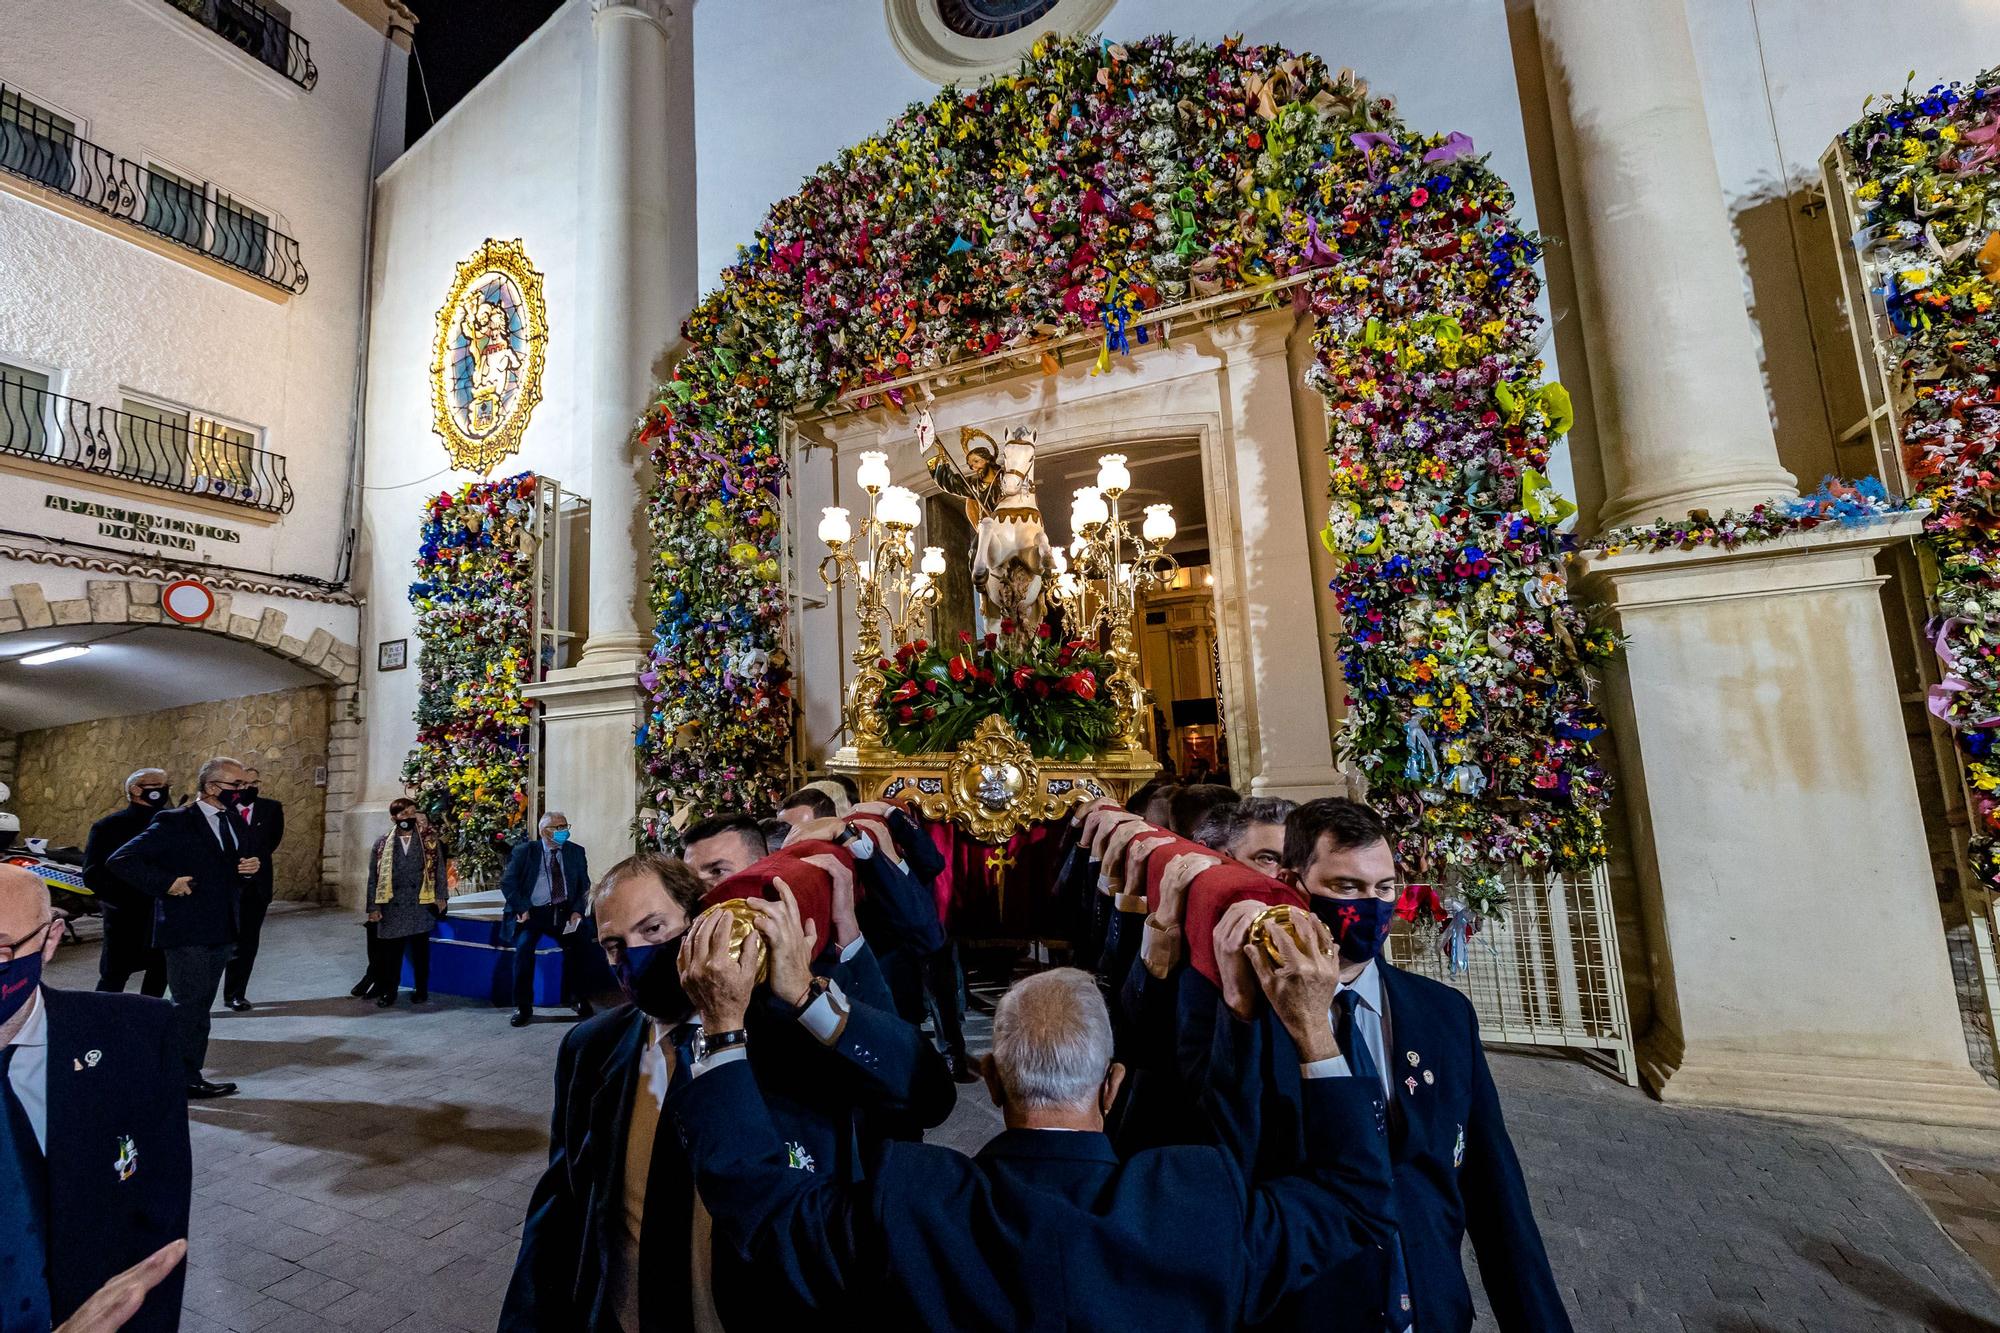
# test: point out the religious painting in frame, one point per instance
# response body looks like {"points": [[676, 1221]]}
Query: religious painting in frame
{"points": [[486, 374]]}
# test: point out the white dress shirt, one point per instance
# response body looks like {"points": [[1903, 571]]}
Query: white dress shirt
{"points": [[28, 1073], [1368, 1014], [215, 817]]}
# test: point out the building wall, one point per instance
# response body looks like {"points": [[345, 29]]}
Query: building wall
{"points": [[66, 778], [111, 317]]}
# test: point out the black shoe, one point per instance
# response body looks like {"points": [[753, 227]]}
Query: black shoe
{"points": [[583, 1009], [521, 1019], [363, 988], [201, 1088], [420, 997], [385, 999], [960, 1065], [238, 1004]]}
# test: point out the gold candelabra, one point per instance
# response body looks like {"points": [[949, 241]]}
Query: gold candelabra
{"points": [[1099, 585], [894, 586]]}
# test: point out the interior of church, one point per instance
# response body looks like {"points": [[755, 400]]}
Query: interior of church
{"points": [[1455, 542]]}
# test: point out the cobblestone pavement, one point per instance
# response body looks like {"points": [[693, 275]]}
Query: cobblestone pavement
{"points": [[373, 1172]]}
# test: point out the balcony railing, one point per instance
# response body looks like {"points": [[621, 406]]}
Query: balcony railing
{"points": [[266, 36], [195, 460], [37, 146]]}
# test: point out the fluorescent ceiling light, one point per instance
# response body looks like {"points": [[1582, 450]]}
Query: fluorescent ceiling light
{"points": [[51, 655]]}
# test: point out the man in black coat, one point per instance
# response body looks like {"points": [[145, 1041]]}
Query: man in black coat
{"points": [[1455, 1172], [127, 946], [95, 1174], [617, 1199], [1046, 1227], [264, 819], [545, 884], [194, 862]]}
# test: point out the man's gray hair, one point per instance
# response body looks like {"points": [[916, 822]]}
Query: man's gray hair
{"points": [[138, 773], [1052, 1041], [1223, 827], [542, 825], [211, 768]]}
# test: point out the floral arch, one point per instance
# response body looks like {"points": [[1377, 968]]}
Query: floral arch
{"points": [[1100, 186]]}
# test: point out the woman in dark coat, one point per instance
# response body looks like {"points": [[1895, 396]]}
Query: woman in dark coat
{"points": [[407, 892]]}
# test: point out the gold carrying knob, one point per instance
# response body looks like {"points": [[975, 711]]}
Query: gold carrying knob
{"points": [[742, 931], [1262, 924]]}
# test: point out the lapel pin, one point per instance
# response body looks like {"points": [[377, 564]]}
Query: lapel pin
{"points": [[1429, 1078], [1414, 1058], [128, 1158], [92, 1057], [77, 1065], [1411, 1084]]}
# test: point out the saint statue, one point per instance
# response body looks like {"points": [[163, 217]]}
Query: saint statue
{"points": [[1010, 551]]}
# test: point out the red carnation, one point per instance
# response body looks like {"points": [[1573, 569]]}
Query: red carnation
{"points": [[930, 715], [906, 714]]}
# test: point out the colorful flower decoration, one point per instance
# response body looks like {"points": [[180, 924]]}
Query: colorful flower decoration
{"points": [[1835, 503], [474, 596], [1097, 184], [1924, 167]]}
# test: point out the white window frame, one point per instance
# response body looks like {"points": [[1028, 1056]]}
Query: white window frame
{"points": [[197, 418], [58, 386], [211, 193], [79, 125]]}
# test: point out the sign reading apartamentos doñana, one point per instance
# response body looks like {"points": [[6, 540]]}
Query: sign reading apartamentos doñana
{"points": [[136, 525]]}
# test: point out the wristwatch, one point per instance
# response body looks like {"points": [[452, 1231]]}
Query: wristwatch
{"points": [[709, 1043], [815, 988]]}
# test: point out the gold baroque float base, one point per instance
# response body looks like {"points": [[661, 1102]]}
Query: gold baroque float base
{"points": [[992, 786]]}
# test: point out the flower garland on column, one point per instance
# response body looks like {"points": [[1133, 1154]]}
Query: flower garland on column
{"points": [[474, 596], [1097, 183], [1926, 167]]}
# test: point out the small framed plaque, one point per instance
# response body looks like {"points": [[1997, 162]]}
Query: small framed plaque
{"points": [[392, 655]]}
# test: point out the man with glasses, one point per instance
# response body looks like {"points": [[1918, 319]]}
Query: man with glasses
{"points": [[128, 914], [94, 1162], [195, 863], [545, 886]]}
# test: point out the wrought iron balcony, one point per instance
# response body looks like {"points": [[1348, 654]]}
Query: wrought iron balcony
{"points": [[266, 36], [41, 147], [195, 459]]}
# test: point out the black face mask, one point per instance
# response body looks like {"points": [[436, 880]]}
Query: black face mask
{"points": [[236, 799], [406, 825], [650, 975], [154, 796], [249, 794]]}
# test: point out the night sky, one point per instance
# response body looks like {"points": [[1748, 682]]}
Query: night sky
{"points": [[459, 42]]}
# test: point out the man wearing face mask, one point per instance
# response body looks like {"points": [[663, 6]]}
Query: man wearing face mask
{"points": [[1455, 1169], [264, 823], [617, 1200], [544, 884], [94, 1162], [127, 946], [193, 863]]}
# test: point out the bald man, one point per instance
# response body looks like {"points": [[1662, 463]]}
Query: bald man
{"points": [[93, 1122]]}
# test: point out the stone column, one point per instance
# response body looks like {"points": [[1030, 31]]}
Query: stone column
{"points": [[1673, 362], [639, 275], [631, 315], [1797, 953]]}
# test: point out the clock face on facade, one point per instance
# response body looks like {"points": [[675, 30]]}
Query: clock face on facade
{"points": [[486, 374]]}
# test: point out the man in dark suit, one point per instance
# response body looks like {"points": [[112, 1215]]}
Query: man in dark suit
{"points": [[95, 1173], [1045, 1227], [127, 946], [264, 821], [544, 885], [1405, 1036], [194, 862], [617, 1200]]}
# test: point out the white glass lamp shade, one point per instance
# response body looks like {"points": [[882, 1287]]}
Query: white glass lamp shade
{"points": [[873, 474], [1113, 476], [933, 562], [899, 506], [833, 525], [1159, 527], [1088, 509], [1061, 560]]}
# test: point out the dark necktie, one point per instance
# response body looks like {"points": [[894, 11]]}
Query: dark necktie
{"points": [[24, 1258], [225, 829], [1362, 1062], [558, 890]]}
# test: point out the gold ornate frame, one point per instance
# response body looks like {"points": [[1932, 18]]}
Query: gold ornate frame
{"points": [[509, 259]]}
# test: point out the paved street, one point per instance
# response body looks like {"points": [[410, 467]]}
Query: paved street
{"points": [[372, 1176]]}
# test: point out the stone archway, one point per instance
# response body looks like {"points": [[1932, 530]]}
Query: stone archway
{"points": [[334, 661]]}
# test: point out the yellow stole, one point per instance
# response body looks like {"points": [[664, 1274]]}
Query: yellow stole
{"points": [[385, 870]]}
